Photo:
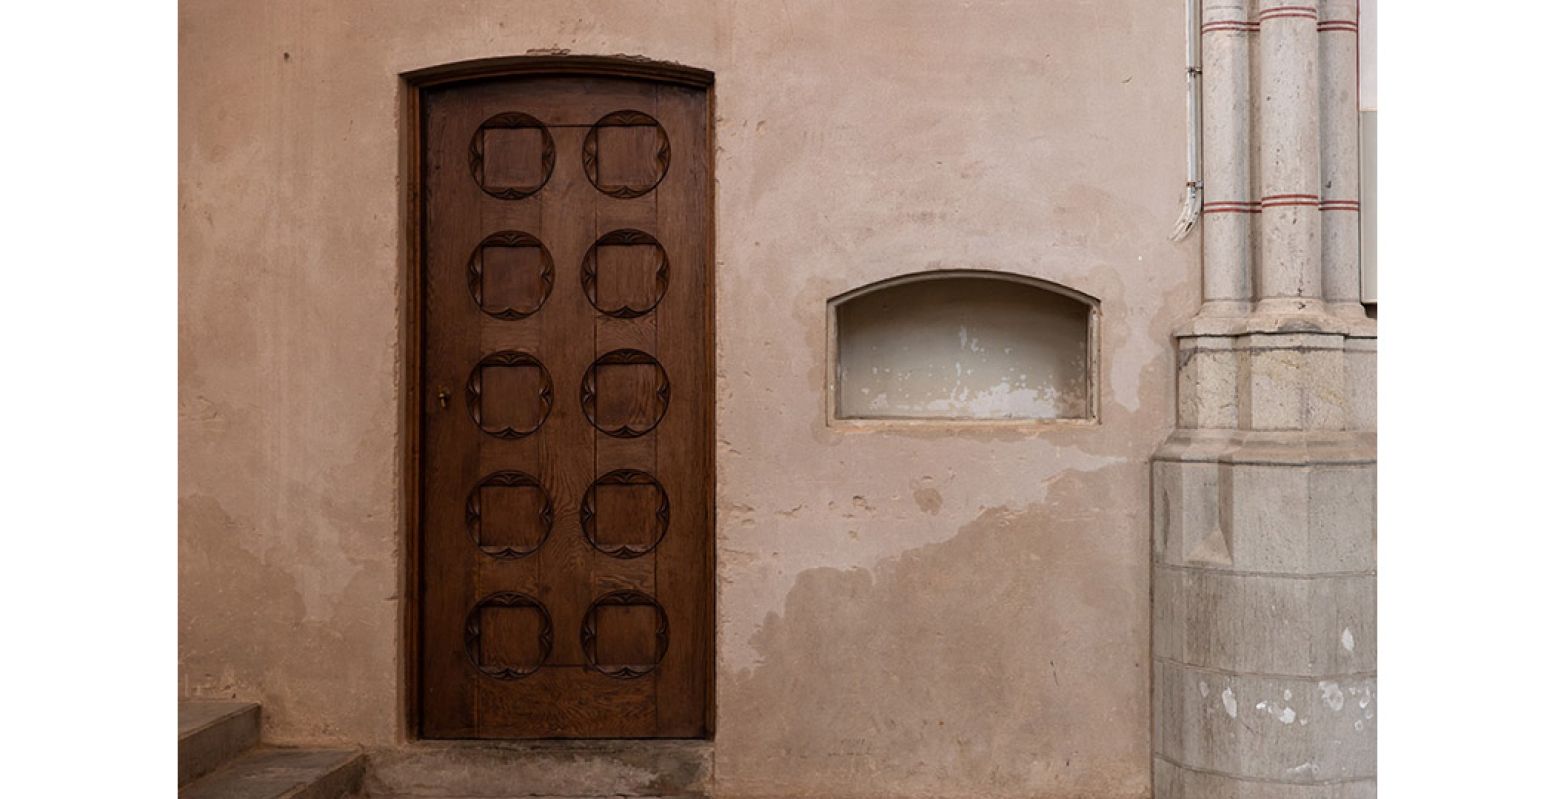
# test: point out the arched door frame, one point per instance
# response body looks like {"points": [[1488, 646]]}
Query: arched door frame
{"points": [[414, 84]]}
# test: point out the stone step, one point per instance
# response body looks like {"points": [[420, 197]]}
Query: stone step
{"points": [[276, 773], [212, 733], [640, 769]]}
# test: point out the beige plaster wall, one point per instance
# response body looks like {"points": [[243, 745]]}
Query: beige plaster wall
{"points": [[907, 611]]}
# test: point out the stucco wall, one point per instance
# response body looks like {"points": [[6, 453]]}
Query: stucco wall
{"points": [[904, 611]]}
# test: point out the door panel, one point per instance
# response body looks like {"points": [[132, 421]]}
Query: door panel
{"points": [[565, 469]]}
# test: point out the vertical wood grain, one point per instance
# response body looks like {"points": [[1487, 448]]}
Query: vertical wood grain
{"points": [[567, 453]]}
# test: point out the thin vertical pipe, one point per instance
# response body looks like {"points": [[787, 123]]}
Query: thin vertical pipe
{"points": [[1193, 199]]}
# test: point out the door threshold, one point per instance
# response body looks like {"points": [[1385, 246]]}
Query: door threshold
{"points": [[545, 767]]}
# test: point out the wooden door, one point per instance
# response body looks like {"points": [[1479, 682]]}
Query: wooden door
{"points": [[564, 575]]}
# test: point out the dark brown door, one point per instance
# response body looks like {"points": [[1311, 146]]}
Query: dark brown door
{"points": [[566, 406]]}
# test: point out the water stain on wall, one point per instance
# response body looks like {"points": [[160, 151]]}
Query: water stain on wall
{"points": [[261, 606], [1005, 659]]}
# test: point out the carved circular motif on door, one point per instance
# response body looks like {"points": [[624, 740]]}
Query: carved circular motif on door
{"points": [[628, 626], [511, 156], [626, 480], [520, 273], [521, 603], [625, 393], [637, 280], [626, 154], [531, 387], [514, 482]]}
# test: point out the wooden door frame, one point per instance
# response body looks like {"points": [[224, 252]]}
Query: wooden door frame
{"points": [[413, 309]]}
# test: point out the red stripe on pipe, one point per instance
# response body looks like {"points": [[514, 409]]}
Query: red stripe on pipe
{"points": [[1245, 27]]}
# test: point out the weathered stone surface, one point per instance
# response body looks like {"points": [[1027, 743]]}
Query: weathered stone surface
{"points": [[1320, 379], [1264, 623], [1281, 519], [1208, 380], [1361, 364], [542, 768], [1175, 782], [1295, 383], [1267, 728]]}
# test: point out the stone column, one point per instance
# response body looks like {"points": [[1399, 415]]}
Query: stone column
{"points": [[1290, 264], [1339, 203], [1264, 568], [1230, 206]]}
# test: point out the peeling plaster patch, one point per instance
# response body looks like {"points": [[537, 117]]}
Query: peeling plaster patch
{"points": [[1203, 689], [269, 628], [1287, 716], [927, 496], [1333, 695], [902, 353], [1228, 699], [803, 716], [1348, 639], [1051, 476]]}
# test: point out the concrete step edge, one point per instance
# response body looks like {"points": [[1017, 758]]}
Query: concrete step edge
{"points": [[284, 773], [213, 733]]}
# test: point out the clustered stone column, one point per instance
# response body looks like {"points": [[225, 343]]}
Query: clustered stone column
{"points": [[1264, 498]]}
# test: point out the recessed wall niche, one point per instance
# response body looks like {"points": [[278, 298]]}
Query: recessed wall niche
{"points": [[963, 345]]}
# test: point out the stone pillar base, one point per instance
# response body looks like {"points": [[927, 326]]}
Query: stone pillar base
{"points": [[1175, 782], [1264, 564]]}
